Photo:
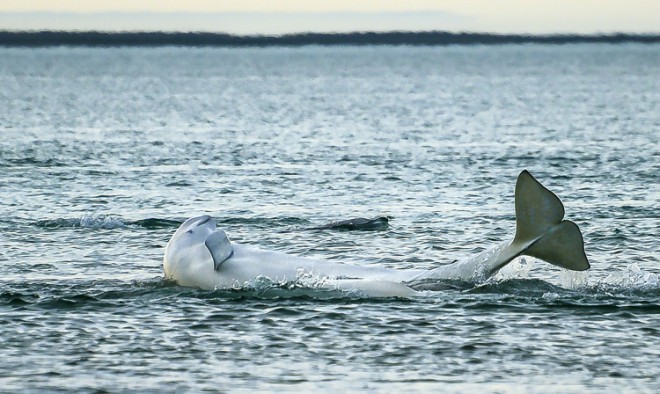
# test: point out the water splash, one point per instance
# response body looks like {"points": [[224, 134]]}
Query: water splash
{"points": [[308, 279], [573, 280], [304, 279], [518, 269], [92, 222], [107, 222], [632, 277]]}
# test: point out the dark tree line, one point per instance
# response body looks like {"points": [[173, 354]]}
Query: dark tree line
{"points": [[111, 39]]}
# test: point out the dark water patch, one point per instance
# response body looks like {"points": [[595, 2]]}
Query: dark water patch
{"points": [[356, 224], [37, 268], [640, 212], [440, 285], [101, 173], [453, 294], [88, 295], [14, 298], [108, 293], [527, 295], [74, 301], [51, 301], [600, 306], [267, 222], [519, 287], [393, 178], [157, 223], [34, 162], [273, 294], [287, 223], [179, 184], [107, 222]]}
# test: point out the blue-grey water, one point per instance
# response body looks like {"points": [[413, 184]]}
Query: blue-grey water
{"points": [[104, 152]]}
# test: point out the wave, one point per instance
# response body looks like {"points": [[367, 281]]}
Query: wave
{"points": [[286, 224], [114, 222], [630, 289], [516, 279], [107, 223], [32, 162], [99, 222]]}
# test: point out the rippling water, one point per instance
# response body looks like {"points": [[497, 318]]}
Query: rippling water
{"points": [[104, 152]]}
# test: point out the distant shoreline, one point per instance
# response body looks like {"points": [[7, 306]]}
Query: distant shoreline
{"points": [[204, 39]]}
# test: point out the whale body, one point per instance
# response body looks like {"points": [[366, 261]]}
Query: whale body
{"points": [[201, 255]]}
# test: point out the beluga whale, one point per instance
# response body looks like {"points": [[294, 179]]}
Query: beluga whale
{"points": [[201, 255]]}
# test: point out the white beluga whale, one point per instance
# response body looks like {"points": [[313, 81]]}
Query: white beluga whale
{"points": [[201, 255]]}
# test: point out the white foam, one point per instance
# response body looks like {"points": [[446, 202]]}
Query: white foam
{"points": [[99, 222], [632, 276], [518, 269], [573, 280]]}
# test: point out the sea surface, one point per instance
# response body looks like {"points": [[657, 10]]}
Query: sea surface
{"points": [[104, 152]]}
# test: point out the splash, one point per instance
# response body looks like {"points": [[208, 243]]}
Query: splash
{"points": [[573, 280], [632, 277], [310, 280], [92, 222], [304, 279], [107, 222], [518, 269]]}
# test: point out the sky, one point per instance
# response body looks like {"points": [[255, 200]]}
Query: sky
{"points": [[290, 16]]}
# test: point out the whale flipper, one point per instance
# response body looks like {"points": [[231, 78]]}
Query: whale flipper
{"points": [[220, 248]]}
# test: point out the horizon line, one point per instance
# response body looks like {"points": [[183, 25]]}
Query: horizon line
{"points": [[96, 38], [349, 32]]}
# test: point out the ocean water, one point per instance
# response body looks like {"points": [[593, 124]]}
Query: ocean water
{"points": [[104, 152]]}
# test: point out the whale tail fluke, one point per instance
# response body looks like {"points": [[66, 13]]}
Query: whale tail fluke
{"points": [[561, 246], [541, 231]]}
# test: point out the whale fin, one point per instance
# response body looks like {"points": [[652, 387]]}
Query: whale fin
{"points": [[540, 230], [220, 248], [537, 208]]}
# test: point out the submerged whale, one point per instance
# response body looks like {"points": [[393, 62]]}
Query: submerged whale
{"points": [[201, 255]]}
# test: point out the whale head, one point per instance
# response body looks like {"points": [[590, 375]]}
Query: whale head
{"points": [[194, 230], [195, 251]]}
